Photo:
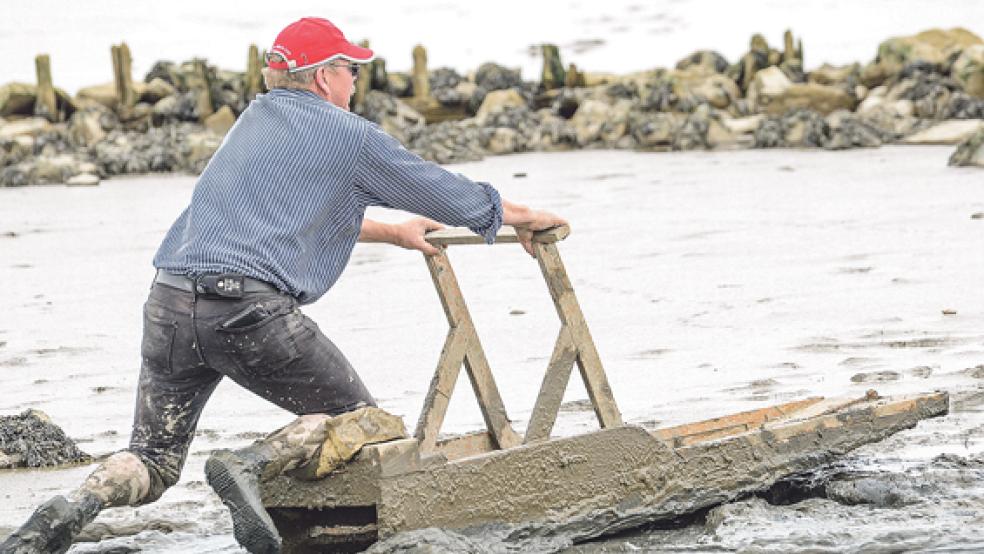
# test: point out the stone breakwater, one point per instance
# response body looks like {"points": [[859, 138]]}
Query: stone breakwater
{"points": [[926, 88]]}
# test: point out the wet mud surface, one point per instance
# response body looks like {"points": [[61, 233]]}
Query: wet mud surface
{"points": [[712, 282]]}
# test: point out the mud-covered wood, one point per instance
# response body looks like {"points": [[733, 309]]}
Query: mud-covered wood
{"points": [[613, 479], [479, 372], [507, 234], [441, 387], [569, 311], [551, 394]]}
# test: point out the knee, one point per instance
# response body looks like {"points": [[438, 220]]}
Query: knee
{"points": [[121, 480]]}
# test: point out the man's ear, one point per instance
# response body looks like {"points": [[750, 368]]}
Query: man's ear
{"points": [[321, 80]]}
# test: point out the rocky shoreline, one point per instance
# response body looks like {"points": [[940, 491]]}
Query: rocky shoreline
{"points": [[922, 89]]}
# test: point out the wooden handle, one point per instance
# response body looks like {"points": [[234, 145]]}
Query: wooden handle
{"points": [[506, 234]]}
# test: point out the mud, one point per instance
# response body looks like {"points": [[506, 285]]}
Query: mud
{"points": [[31, 439], [650, 278]]}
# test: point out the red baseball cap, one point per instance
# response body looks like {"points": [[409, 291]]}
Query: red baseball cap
{"points": [[310, 42]]}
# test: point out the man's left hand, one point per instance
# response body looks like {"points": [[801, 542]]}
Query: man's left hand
{"points": [[410, 234]]}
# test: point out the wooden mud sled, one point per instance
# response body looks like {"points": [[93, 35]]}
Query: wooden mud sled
{"points": [[618, 477]]}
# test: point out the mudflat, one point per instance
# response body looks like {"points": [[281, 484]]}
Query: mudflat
{"points": [[713, 282]]}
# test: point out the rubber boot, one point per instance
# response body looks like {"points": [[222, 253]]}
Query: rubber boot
{"points": [[53, 526], [235, 477]]}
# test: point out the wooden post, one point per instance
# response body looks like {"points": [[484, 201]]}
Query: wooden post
{"points": [[363, 82], [788, 50], [46, 103], [199, 83], [126, 97], [552, 75], [418, 76], [573, 77], [254, 77]]}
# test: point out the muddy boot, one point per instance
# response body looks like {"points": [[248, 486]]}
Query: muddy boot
{"points": [[235, 477], [53, 526]]}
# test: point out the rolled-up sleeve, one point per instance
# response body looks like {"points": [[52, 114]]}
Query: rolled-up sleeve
{"points": [[389, 175]]}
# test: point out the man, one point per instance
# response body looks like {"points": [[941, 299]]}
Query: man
{"points": [[271, 225]]}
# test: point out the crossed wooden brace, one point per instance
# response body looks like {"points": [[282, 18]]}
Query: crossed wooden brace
{"points": [[462, 346]]}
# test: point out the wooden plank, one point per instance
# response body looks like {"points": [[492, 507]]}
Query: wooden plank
{"points": [[479, 372], [464, 446], [441, 388], [552, 390], [507, 234], [733, 421], [489, 400], [569, 311]]}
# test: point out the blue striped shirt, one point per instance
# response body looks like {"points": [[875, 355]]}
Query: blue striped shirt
{"points": [[283, 198]]}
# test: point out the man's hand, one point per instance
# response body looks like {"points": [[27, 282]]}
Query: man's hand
{"points": [[410, 234], [527, 221]]}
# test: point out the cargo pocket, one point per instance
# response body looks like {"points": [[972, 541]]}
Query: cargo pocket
{"points": [[257, 338], [157, 345]]}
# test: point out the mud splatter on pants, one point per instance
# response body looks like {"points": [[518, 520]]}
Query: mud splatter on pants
{"points": [[261, 341]]}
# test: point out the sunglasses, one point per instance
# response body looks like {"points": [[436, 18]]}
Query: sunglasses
{"points": [[353, 68]]}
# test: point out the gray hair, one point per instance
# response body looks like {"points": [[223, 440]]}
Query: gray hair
{"points": [[281, 78]]}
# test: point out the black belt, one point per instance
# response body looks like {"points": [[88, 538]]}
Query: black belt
{"points": [[224, 285]]}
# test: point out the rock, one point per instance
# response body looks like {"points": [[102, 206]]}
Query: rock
{"points": [[692, 135], [394, 116], [104, 94], [767, 84], [848, 130], [947, 132], [30, 439], [819, 98], [497, 100], [846, 75], [168, 72], [19, 174], [743, 125], [964, 106], [589, 119], [399, 84], [86, 127], [934, 46], [199, 148], [83, 180], [503, 141], [54, 169], [889, 490], [29, 127], [491, 76], [703, 84], [799, 128], [970, 152], [449, 142], [17, 99], [221, 121], [968, 70], [654, 129], [705, 59], [876, 377], [155, 90]]}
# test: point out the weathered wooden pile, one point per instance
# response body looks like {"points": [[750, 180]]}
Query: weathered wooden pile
{"points": [[925, 88]]}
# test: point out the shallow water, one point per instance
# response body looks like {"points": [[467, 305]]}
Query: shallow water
{"points": [[713, 282]]}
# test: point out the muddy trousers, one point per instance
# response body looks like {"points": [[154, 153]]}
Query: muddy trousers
{"points": [[261, 341]]}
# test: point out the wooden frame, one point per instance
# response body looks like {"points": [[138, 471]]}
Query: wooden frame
{"points": [[462, 346]]}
